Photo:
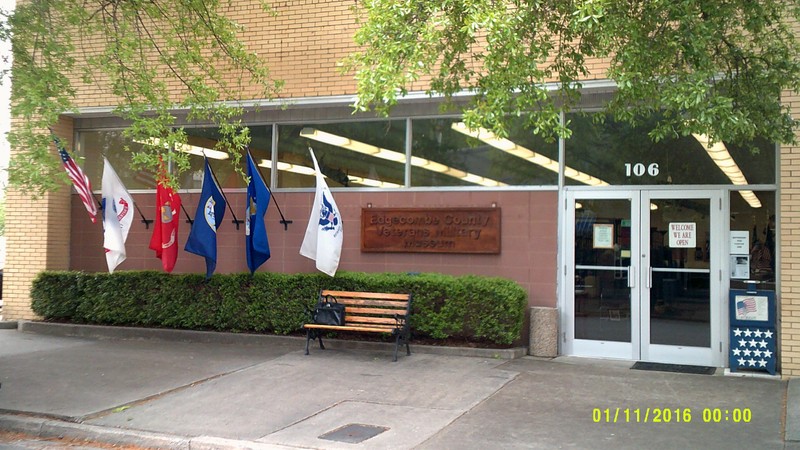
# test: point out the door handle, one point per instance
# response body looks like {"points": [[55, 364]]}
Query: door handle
{"points": [[631, 281], [649, 278]]}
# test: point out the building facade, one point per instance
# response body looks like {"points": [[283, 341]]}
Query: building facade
{"points": [[634, 246]]}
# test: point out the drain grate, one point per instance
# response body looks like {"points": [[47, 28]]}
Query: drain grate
{"points": [[353, 433]]}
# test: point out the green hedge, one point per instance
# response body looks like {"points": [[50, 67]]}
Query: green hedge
{"points": [[467, 307]]}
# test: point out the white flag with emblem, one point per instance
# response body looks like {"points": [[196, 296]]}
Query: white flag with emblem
{"points": [[117, 216], [323, 240]]}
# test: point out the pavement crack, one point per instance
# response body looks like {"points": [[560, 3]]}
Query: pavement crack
{"points": [[128, 405], [470, 409]]}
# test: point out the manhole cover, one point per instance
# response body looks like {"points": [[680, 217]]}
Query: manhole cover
{"points": [[353, 433]]}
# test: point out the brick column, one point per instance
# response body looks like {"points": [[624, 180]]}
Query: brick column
{"points": [[38, 235], [789, 239]]}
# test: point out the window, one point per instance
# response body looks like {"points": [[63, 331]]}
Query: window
{"points": [[445, 153], [758, 224], [93, 145], [350, 154], [96, 144], [206, 138], [618, 154]]}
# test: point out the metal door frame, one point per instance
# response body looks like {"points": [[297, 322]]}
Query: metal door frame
{"points": [[639, 348]]}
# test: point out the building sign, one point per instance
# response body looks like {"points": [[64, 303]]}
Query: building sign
{"points": [[430, 230], [683, 235]]}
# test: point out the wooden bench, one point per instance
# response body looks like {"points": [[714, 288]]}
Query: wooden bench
{"points": [[368, 312]]}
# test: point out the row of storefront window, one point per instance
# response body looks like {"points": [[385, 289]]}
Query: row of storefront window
{"points": [[442, 152]]}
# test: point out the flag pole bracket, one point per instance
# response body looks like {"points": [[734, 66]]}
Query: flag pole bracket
{"points": [[286, 224], [147, 223], [237, 222]]}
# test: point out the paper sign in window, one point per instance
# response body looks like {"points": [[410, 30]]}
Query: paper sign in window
{"points": [[682, 235], [603, 235]]}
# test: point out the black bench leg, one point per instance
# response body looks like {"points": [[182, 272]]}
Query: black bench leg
{"points": [[311, 335], [396, 344]]}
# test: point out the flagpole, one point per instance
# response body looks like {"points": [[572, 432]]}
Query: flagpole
{"points": [[283, 219], [146, 222], [189, 220], [99, 202], [235, 220]]}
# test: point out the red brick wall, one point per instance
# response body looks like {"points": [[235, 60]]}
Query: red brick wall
{"points": [[528, 253]]}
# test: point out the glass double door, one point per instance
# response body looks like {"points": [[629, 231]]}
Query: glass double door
{"points": [[643, 276]]}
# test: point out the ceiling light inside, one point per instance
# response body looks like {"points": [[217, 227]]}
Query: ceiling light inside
{"points": [[398, 157], [305, 170], [188, 148], [722, 158], [521, 152]]}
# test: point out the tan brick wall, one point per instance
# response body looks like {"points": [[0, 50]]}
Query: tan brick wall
{"points": [[37, 239], [789, 239], [303, 44]]}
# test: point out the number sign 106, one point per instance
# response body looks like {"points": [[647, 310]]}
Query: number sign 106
{"points": [[639, 169]]}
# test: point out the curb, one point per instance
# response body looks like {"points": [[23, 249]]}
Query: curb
{"points": [[218, 337], [8, 325], [50, 428]]}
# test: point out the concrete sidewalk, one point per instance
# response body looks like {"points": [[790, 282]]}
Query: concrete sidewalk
{"points": [[222, 393]]}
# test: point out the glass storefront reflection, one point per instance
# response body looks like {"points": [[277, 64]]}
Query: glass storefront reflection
{"points": [[602, 306], [756, 228], [625, 155], [350, 154], [680, 298], [602, 295]]}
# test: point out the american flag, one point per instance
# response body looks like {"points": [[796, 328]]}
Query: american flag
{"points": [[79, 180], [746, 305]]}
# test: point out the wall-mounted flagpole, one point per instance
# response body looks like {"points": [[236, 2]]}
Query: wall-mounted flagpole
{"points": [[146, 222], [235, 220], [189, 219], [283, 219]]}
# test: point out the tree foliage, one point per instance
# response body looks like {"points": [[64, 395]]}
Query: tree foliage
{"points": [[702, 66], [159, 58]]}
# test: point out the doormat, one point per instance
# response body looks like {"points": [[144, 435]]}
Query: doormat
{"points": [[675, 368]]}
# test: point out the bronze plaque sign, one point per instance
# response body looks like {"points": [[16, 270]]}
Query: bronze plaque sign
{"points": [[430, 230]]}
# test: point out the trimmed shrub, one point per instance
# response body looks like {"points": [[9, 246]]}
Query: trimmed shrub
{"points": [[468, 307]]}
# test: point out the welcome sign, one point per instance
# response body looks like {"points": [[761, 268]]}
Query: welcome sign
{"points": [[430, 230]]}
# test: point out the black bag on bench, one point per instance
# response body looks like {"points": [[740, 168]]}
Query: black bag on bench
{"points": [[329, 312]]}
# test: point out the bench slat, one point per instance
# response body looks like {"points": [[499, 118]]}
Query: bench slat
{"points": [[375, 311], [386, 303], [376, 295], [367, 319]]}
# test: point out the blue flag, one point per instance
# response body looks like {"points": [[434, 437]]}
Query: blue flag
{"points": [[255, 237], [210, 212]]}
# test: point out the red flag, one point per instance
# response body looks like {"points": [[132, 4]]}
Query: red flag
{"points": [[165, 233]]}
